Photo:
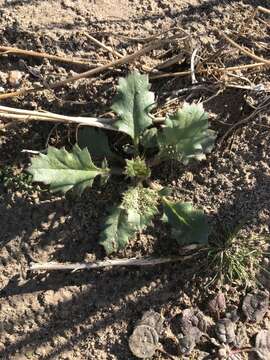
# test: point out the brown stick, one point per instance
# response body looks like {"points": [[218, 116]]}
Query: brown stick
{"points": [[175, 59], [99, 43], [29, 53], [203, 71], [245, 51], [154, 45], [263, 9], [49, 266], [143, 39]]}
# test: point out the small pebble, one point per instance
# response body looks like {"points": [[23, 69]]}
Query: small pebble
{"points": [[14, 78]]}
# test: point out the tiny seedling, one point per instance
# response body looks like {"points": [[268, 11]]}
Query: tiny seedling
{"points": [[142, 143]]}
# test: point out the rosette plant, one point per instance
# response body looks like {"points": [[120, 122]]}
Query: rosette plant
{"points": [[144, 143]]}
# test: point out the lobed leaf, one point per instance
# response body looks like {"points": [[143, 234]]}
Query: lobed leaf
{"points": [[132, 104], [186, 135], [188, 224], [64, 170]]}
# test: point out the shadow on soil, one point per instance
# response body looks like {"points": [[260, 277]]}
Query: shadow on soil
{"points": [[103, 292]]}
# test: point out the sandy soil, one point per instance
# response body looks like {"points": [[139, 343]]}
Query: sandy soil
{"points": [[91, 315]]}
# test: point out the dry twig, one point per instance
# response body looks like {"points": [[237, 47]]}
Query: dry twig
{"points": [[5, 50], [245, 51], [207, 71], [192, 66], [124, 60], [49, 266], [31, 115], [103, 46], [173, 60]]}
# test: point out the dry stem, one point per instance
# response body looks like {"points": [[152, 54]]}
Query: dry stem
{"points": [[5, 50], [99, 43], [192, 66], [207, 71], [49, 266], [245, 51], [152, 46], [263, 9], [31, 115]]}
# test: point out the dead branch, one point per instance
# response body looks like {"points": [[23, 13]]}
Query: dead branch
{"points": [[98, 70], [31, 115], [175, 59], [208, 71], [5, 50], [192, 66], [103, 46], [49, 266], [263, 9], [245, 51]]}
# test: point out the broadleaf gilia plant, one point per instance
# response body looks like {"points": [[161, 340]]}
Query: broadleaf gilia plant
{"points": [[184, 136]]}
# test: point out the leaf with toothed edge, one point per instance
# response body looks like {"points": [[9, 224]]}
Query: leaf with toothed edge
{"points": [[64, 170], [185, 135], [132, 104], [189, 225]]}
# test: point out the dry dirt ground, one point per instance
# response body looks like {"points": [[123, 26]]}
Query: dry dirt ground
{"points": [[90, 315]]}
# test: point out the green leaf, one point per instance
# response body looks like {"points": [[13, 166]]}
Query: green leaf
{"points": [[96, 142], [165, 191], [138, 207], [119, 227], [133, 104], [186, 135], [188, 224], [64, 170]]}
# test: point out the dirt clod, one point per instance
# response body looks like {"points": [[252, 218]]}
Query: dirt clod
{"points": [[14, 78], [217, 305], [144, 341], [263, 344], [153, 319], [255, 305], [225, 331], [193, 318], [186, 344]]}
